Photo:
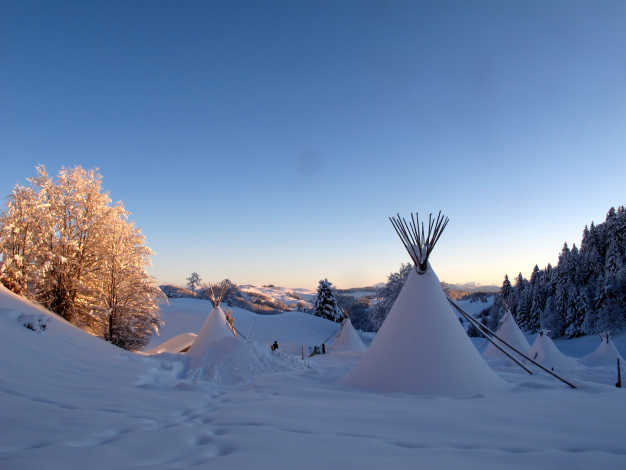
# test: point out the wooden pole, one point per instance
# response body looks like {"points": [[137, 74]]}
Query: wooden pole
{"points": [[483, 328], [479, 326], [619, 375]]}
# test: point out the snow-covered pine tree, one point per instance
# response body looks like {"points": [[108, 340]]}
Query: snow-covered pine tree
{"points": [[610, 299], [325, 305], [535, 314], [506, 291], [523, 309], [578, 307], [516, 300], [193, 281]]}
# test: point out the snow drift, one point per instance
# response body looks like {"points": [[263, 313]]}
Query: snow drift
{"points": [[174, 345]]}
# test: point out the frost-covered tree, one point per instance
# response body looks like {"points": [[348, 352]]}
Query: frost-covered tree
{"points": [[535, 315], [507, 290], [578, 308], [20, 239], [72, 232], [387, 295], [550, 319], [193, 281], [523, 309], [127, 294], [326, 305]]}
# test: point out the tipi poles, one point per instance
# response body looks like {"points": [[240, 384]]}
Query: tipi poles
{"points": [[487, 331], [473, 321]]}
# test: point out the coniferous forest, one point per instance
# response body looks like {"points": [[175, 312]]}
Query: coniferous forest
{"points": [[585, 293]]}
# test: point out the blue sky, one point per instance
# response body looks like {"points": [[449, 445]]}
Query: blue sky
{"points": [[269, 142]]}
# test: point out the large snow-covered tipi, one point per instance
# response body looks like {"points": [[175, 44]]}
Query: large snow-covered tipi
{"points": [[509, 332], [548, 355], [421, 346], [347, 340], [606, 354]]}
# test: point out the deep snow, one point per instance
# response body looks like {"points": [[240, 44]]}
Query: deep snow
{"points": [[70, 400]]}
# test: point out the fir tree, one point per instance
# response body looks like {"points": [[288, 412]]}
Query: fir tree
{"points": [[535, 315], [193, 281], [325, 305]]}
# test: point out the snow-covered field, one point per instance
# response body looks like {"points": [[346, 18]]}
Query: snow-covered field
{"points": [[475, 306], [70, 400]]}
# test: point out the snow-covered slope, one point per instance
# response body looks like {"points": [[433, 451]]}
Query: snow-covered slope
{"points": [[290, 329], [70, 400]]}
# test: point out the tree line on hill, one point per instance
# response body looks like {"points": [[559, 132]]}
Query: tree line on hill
{"points": [[585, 293]]}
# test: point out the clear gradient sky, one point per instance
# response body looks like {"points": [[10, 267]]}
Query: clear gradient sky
{"points": [[268, 141]]}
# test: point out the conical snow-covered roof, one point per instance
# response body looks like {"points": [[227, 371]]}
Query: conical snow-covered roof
{"points": [[545, 352], [606, 354], [347, 339], [509, 332], [422, 347], [220, 356], [215, 328]]}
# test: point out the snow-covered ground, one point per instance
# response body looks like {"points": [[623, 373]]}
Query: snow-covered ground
{"points": [[475, 306], [70, 400]]}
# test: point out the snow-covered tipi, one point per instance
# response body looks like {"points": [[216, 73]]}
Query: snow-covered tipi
{"points": [[215, 327], [548, 355], [509, 332], [421, 346], [347, 340], [606, 354]]}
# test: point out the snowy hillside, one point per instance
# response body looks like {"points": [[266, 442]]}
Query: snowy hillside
{"points": [[71, 400], [474, 306], [292, 298], [290, 329]]}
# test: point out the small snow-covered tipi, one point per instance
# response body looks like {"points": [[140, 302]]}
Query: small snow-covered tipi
{"points": [[347, 339], [606, 354], [220, 355], [548, 355], [509, 332], [215, 327], [421, 346]]}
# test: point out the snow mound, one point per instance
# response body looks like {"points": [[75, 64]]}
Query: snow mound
{"points": [[230, 361], [347, 339], [545, 352], [422, 348], [509, 332], [605, 355], [174, 345]]}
